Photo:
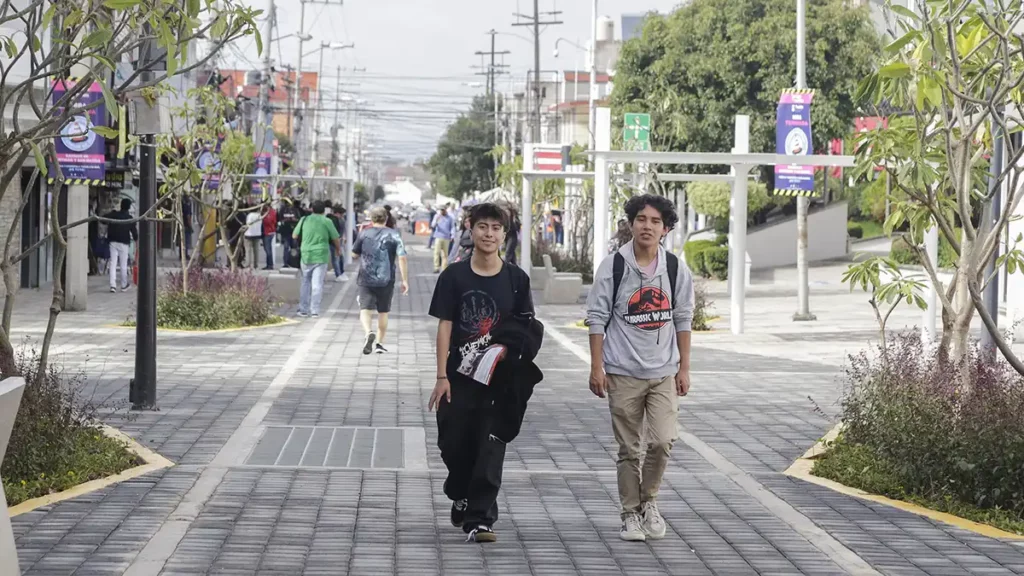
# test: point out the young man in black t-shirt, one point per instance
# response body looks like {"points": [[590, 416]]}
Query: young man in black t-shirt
{"points": [[472, 298]]}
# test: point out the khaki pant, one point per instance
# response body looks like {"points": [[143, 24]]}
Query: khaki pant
{"points": [[630, 399], [441, 246]]}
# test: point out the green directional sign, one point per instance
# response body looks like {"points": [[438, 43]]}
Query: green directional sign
{"points": [[636, 132]]}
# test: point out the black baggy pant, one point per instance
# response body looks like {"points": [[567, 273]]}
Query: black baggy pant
{"points": [[473, 457]]}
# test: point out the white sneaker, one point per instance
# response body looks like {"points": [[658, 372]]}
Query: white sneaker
{"points": [[653, 523], [343, 277], [632, 530]]}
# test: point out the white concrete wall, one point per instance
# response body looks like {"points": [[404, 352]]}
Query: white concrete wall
{"points": [[775, 245]]}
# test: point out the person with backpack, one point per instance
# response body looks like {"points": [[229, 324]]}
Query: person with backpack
{"points": [[639, 313]]}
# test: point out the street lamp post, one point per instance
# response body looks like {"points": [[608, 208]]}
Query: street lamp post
{"points": [[593, 76], [802, 202], [324, 46]]}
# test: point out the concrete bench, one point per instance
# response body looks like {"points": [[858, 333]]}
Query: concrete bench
{"points": [[10, 399], [561, 287]]}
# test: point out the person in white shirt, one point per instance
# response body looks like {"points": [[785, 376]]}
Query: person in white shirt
{"points": [[254, 236]]}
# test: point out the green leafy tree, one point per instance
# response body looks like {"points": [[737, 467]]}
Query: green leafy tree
{"points": [[953, 66], [693, 70], [462, 163], [43, 41]]}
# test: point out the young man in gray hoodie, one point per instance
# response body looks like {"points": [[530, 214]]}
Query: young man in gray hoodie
{"points": [[640, 311]]}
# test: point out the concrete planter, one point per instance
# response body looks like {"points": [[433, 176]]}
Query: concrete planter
{"points": [[10, 398]]}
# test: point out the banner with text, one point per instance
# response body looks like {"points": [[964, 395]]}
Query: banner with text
{"points": [[793, 138], [80, 150]]}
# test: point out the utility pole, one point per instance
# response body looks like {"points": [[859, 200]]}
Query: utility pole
{"points": [[259, 131], [334, 129], [297, 128], [535, 22], [494, 70], [803, 203]]}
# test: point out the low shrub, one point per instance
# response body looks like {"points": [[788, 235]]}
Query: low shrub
{"points": [[693, 252], [930, 436], [854, 230], [56, 442], [215, 299], [902, 252], [716, 262], [701, 307]]}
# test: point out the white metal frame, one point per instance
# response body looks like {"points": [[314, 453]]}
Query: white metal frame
{"points": [[740, 160]]}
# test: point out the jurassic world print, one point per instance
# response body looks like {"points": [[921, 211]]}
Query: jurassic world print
{"points": [[648, 309]]}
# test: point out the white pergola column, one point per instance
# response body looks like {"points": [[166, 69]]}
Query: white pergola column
{"points": [[1015, 282], [738, 227], [350, 219], [602, 142], [931, 248], [526, 212], [76, 259]]}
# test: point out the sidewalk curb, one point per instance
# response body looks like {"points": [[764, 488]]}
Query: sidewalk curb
{"points": [[284, 322], [801, 469], [153, 462]]}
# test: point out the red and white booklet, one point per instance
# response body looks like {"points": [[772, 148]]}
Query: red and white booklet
{"points": [[486, 361]]}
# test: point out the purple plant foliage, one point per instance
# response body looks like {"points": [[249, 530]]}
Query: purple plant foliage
{"points": [[945, 437], [215, 299]]}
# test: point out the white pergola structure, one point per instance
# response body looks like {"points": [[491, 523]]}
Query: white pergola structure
{"points": [[348, 185], [740, 160]]}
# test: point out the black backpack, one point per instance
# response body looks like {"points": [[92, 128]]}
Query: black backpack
{"points": [[619, 270]]}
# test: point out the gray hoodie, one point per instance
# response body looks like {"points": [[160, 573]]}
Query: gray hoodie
{"points": [[640, 340]]}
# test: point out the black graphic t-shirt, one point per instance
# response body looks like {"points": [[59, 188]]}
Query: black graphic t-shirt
{"points": [[476, 305]]}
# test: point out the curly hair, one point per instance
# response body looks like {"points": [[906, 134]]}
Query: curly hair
{"points": [[663, 205]]}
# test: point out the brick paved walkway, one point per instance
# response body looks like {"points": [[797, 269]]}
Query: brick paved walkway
{"points": [[259, 423]]}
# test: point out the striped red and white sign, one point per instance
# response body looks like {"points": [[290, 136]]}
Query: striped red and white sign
{"points": [[549, 160]]}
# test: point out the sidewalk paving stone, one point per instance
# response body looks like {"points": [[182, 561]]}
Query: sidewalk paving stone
{"points": [[558, 505]]}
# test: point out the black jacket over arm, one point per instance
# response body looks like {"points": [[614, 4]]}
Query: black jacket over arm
{"points": [[516, 376]]}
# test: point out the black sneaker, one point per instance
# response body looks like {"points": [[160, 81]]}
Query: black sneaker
{"points": [[459, 512], [380, 349], [368, 346], [482, 534]]}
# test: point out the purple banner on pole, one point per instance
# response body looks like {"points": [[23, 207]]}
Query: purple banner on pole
{"points": [[209, 163], [793, 138], [262, 169], [80, 150]]}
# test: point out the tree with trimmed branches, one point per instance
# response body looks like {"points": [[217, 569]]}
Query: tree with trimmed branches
{"points": [[47, 42], [957, 69]]}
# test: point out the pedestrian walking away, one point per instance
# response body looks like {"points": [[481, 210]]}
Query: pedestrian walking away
{"points": [[313, 234], [337, 258], [443, 231], [486, 341], [379, 249], [269, 232], [639, 312], [254, 236], [120, 236], [288, 219]]}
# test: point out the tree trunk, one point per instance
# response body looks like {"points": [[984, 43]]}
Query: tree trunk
{"points": [[60, 246]]}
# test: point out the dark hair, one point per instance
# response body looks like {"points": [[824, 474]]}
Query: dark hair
{"points": [[488, 211], [663, 205], [318, 207], [387, 207], [126, 204]]}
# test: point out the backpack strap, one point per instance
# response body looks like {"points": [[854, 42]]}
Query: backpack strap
{"points": [[618, 271], [672, 263]]}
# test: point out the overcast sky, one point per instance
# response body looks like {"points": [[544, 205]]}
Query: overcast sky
{"points": [[419, 54]]}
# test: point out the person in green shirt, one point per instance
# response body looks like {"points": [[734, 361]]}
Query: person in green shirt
{"points": [[316, 233]]}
